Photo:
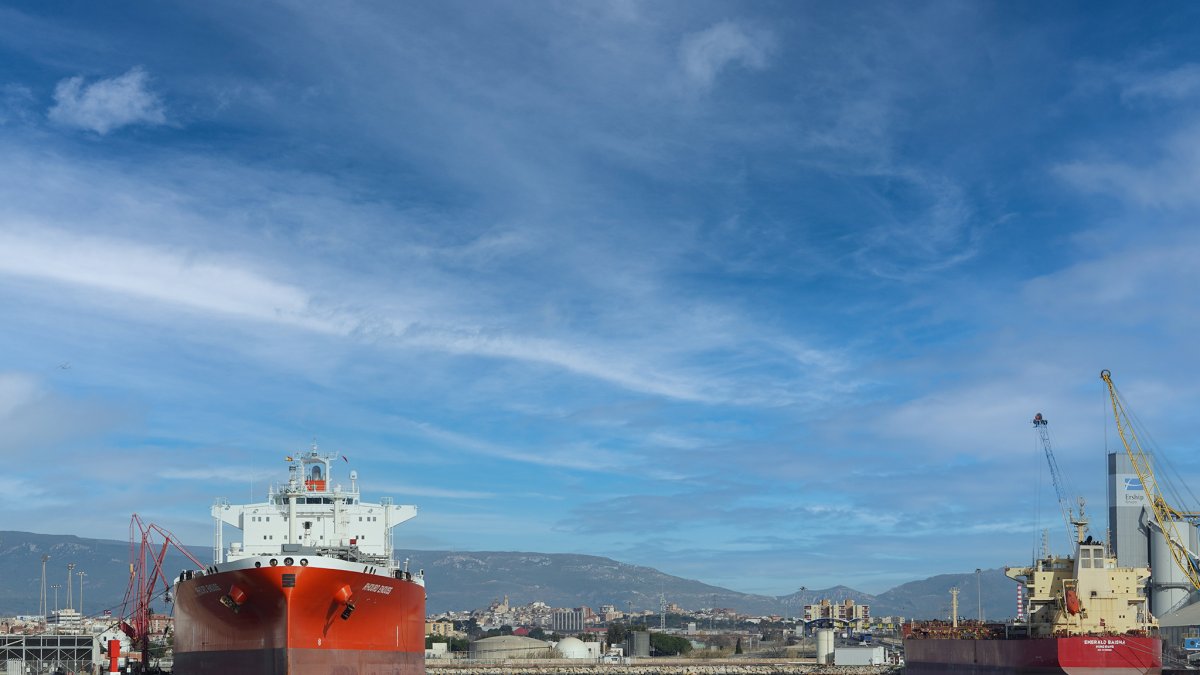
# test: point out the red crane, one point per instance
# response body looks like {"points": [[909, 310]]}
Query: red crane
{"points": [[146, 555]]}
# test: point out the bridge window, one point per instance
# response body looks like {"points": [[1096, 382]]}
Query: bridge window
{"points": [[316, 472]]}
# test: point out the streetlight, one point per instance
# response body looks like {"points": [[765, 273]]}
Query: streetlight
{"points": [[43, 608], [70, 584], [56, 617], [81, 574], [803, 622], [978, 594]]}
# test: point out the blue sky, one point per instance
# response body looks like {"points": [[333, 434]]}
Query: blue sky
{"points": [[760, 294]]}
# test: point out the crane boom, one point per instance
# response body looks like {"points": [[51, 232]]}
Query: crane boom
{"points": [[1041, 425], [1165, 516]]}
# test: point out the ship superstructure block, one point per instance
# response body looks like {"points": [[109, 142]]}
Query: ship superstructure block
{"points": [[310, 511]]}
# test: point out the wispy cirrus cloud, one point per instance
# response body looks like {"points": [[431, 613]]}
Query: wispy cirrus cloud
{"points": [[109, 104], [1166, 180], [155, 273], [235, 288], [226, 474], [704, 54], [1174, 84]]}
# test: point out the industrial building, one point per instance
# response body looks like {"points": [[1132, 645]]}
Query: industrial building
{"points": [[1137, 540], [637, 643], [860, 655], [574, 648], [47, 653], [502, 647]]}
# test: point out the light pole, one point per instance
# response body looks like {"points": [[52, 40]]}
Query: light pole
{"points": [[70, 584], [56, 617], [802, 612], [81, 574], [44, 609], [979, 594]]}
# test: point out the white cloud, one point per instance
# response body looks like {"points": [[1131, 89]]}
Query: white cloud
{"points": [[107, 104], [34, 415], [1176, 84], [229, 474], [939, 233], [1168, 181], [153, 273], [403, 491], [16, 391], [706, 53]]}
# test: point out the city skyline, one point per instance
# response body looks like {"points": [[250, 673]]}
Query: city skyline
{"points": [[763, 295]]}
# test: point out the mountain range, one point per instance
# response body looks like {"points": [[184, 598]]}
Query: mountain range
{"points": [[460, 580]]}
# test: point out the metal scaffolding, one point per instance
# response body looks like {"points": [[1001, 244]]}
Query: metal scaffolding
{"points": [[45, 654]]}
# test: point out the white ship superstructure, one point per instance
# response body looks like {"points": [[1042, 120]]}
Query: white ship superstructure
{"points": [[312, 512]]}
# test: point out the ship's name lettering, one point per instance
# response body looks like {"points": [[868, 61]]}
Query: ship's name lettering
{"points": [[1104, 642], [207, 588], [377, 588]]}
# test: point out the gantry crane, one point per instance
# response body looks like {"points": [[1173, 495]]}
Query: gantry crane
{"points": [[1041, 425], [1165, 516]]}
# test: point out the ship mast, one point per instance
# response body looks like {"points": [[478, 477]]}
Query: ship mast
{"points": [[1080, 523]]}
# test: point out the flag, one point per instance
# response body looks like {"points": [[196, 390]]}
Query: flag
{"points": [[289, 458], [344, 457]]}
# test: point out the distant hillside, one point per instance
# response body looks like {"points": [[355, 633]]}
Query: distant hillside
{"points": [[104, 562], [470, 580], [796, 601], [458, 580], [930, 598]]}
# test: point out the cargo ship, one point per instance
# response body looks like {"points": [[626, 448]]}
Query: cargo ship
{"points": [[1085, 616], [312, 588]]}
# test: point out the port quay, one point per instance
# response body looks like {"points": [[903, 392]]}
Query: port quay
{"points": [[659, 667]]}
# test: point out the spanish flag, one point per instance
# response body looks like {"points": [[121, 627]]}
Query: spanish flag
{"points": [[289, 458]]}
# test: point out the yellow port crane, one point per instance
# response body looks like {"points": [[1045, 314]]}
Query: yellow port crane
{"points": [[1165, 516]]}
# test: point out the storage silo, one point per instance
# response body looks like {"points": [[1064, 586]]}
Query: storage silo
{"points": [[1128, 514], [825, 646], [1169, 586]]}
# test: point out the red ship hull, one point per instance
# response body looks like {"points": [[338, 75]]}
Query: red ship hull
{"points": [[289, 621], [1076, 655]]}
